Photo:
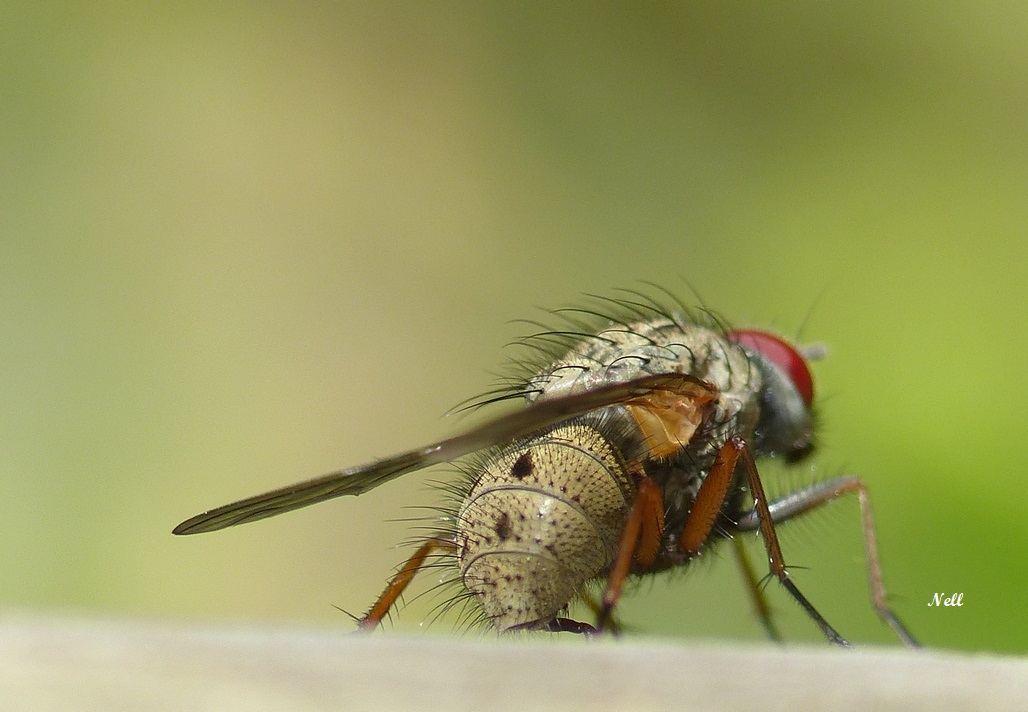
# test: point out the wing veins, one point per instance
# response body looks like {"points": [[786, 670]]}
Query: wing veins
{"points": [[357, 480]]}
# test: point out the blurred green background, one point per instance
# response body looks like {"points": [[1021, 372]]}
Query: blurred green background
{"points": [[242, 244]]}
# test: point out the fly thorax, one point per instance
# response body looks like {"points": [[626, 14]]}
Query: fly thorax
{"points": [[544, 517]]}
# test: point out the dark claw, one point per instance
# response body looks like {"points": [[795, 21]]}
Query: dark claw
{"points": [[567, 625], [559, 625]]}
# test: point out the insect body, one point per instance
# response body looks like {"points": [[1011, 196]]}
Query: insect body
{"points": [[634, 453], [548, 513]]}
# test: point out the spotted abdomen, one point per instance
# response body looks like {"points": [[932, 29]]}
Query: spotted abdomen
{"points": [[545, 516]]}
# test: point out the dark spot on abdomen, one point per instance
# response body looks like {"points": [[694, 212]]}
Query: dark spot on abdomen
{"points": [[522, 466], [502, 527]]}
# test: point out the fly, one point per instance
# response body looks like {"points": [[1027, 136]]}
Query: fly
{"points": [[634, 453]]}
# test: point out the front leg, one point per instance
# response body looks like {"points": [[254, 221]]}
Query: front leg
{"points": [[807, 498], [766, 523]]}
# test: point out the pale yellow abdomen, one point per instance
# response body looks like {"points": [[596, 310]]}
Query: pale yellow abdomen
{"points": [[544, 517]]}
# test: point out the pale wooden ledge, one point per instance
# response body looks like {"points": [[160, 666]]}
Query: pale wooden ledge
{"points": [[58, 664]]}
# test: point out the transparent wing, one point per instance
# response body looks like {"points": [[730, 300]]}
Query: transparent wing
{"points": [[360, 479]]}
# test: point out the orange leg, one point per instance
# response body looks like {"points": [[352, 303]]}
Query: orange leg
{"points": [[400, 582], [813, 496], [705, 509], [613, 624], [709, 499], [640, 541]]}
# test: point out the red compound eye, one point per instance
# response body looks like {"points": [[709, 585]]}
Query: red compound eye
{"points": [[780, 353]]}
